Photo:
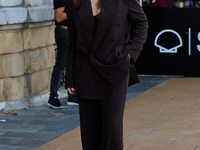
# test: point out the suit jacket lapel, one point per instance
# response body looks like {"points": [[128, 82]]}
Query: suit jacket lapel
{"points": [[86, 16], [107, 13]]}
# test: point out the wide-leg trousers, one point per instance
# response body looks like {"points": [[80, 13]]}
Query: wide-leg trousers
{"points": [[101, 121]]}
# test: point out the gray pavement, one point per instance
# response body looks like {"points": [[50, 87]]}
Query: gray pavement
{"points": [[34, 127]]}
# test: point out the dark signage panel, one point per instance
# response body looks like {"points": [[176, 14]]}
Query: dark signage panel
{"points": [[173, 44]]}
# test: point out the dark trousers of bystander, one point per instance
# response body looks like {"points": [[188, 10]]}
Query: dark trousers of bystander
{"points": [[61, 36]]}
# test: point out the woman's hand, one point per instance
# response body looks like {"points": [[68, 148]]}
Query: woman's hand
{"points": [[129, 57], [71, 90]]}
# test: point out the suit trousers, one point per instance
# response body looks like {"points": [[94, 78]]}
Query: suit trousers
{"points": [[101, 121]]}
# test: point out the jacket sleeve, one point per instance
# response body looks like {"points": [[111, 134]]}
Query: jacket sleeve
{"points": [[138, 29], [71, 46]]}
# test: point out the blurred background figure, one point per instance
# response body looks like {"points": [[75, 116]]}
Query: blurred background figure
{"points": [[160, 3], [186, 3], [61, 35], [197, 4], [145, 3]]}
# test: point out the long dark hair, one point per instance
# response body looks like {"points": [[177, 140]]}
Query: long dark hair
{"points": [[77, 3]]}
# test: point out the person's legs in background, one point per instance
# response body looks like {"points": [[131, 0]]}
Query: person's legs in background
{"points": [[72, 99], [60, 63]]}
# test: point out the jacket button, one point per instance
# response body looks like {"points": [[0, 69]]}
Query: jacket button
{"points": [[113, 40], [118, 25]]}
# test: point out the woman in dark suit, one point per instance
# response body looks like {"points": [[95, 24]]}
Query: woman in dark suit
{"points": [[105, 40]]}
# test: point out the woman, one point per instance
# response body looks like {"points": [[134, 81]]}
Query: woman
{"points": [[100, 56]]}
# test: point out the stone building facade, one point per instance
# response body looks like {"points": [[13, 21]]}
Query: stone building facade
{"points": [[27, 52]]}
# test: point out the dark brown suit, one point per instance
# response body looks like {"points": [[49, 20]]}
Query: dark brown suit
{"points": [[97, 58]]}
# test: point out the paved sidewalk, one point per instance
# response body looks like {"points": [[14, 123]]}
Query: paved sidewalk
{"points": [[43, 128], [166, 117]]}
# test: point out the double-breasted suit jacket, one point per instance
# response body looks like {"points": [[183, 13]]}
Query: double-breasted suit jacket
{"points": [[97, 53]]}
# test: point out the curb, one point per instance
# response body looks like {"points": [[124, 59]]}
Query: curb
{"points": [[36, 101]]}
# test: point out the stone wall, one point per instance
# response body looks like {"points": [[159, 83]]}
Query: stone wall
{"points": [[27, 52]]}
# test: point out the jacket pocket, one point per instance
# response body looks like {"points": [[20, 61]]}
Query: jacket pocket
{"points": [[116, 55]]}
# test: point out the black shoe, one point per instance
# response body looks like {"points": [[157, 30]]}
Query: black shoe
{"points": [[54, 103], [72, 100]]}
